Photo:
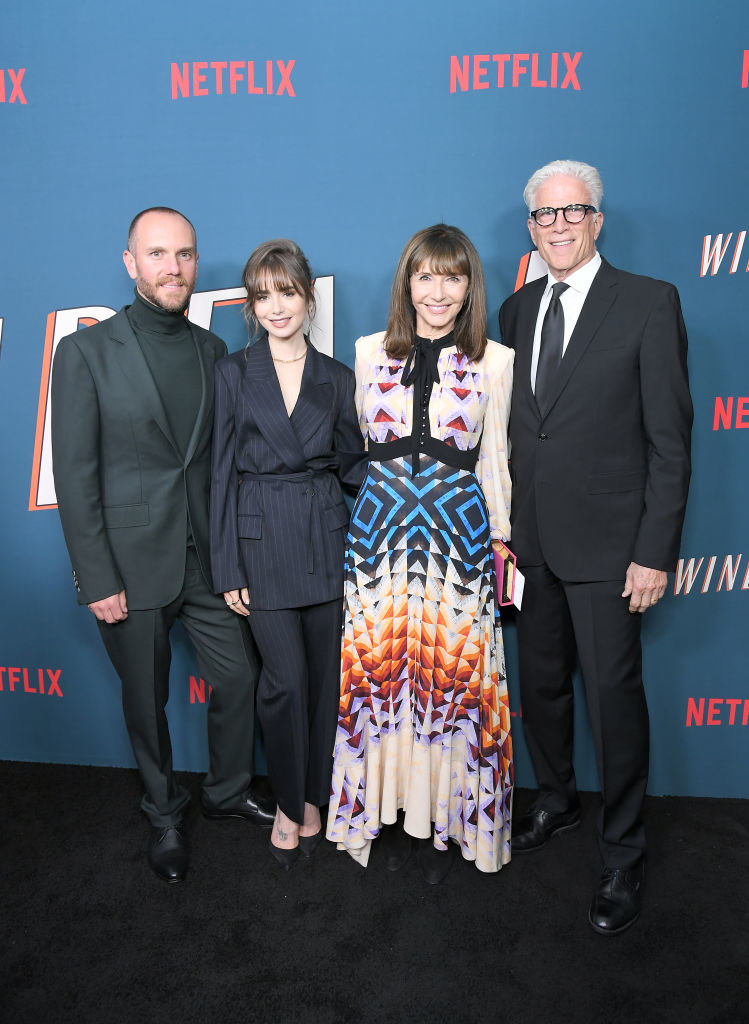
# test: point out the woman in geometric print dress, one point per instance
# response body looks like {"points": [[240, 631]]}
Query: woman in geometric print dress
{"points": [[424, 722]]}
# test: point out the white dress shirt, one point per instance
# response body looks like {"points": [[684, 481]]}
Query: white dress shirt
{"points": [[572, 303]]}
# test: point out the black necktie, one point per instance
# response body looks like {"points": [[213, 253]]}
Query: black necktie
{"points": [[550, 350]]}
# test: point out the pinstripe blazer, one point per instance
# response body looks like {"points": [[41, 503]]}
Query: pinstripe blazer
{"points": [[278, 516]]}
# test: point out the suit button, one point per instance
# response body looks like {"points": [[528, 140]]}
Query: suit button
{"points": [[543, 437]]}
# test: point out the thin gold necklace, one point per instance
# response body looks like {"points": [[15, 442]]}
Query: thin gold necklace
{"points": [[294, 360]]}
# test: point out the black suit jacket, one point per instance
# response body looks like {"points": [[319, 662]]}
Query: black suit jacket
{"points": [[124, 490], [278, 515], [602, 478]]}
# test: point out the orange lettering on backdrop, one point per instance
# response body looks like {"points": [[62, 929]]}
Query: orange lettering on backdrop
{"points": [[479, 70], [517, 70], [742, 413], [198, 77], [723, 413], [501, 59], [536, 82], [180, 80], [459, 73], [286, 70]]}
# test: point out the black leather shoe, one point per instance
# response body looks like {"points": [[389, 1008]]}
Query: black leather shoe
{"points": [[616, 901], [167, 853], [396, 845], [536, 827], [435, 864], [260, 810]]}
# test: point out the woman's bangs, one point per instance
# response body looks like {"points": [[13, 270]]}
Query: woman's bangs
{"points": [[441, 258], [274, 276]]}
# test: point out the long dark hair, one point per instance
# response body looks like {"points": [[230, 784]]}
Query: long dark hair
{"points": [[445, 250]]}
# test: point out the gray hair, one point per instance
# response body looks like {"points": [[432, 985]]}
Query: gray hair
{"points": [[573, 169]]}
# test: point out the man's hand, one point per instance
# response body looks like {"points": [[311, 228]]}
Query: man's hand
{"points": [[110, 609], [232, 598], [644, 587]]}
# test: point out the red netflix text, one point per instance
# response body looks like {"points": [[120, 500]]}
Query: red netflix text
{"points": [[31, 680], [497, 70], [745, 71], [717, 711], [217, 77], [731, 412], [198, 690], [10, 85]]}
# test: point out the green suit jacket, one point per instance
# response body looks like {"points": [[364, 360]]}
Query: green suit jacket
{"points": [[125, 492]]}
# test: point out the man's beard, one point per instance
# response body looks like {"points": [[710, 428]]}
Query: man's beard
{"points": [[171, 304]]}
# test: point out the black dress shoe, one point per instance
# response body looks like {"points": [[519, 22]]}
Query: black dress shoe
{"points": [[167, 853], [616, 902], [536, 827], [396, 845], [435, 864], [308, 844], [259, 810], [286, 858]]}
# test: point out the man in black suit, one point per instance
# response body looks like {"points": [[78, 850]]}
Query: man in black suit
{"points": [[132, 415], [599, 431]]}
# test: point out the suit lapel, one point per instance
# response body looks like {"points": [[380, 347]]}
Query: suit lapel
{"points": [[266, 401], [314, 402], [133, 364], [525, 331], [598, 302], [204, 418]]}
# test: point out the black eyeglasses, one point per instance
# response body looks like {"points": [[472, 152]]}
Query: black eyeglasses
{"points": [[545, 216]]}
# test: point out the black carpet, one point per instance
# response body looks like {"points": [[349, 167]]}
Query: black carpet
{"points": [[89, 934]]}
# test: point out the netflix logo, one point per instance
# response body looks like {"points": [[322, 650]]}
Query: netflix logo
{"points": [[232, 77], [511, 70], [731, 412], [11, 90], [198, 689], [717, 711], [42, 681]]}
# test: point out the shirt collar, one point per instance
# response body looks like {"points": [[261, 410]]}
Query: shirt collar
{"points": [[581, 280]]}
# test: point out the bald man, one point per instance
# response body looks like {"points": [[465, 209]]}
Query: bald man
{"points": [[132, 416]]}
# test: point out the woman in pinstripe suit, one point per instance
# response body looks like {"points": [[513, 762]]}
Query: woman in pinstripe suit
{"points": [[286, 437]]}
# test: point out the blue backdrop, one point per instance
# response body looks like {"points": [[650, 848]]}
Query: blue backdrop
{"points": [[347, 127]]}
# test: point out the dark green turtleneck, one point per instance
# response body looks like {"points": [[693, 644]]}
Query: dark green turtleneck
{"points": [[166, 342]]}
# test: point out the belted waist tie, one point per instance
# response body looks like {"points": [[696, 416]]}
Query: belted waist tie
{"points": [[402, 447], [305, 478]]}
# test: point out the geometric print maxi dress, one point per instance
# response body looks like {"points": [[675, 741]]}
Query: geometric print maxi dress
{"points": [[424, 721]]}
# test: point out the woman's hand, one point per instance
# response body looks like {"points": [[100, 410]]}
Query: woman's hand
{"points": [[238, 601]]}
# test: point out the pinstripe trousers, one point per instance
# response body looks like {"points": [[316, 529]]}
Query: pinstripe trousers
{"points": [[297, 699]]}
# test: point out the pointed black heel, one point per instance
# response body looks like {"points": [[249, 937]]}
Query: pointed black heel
{"points": [[308, 844], [286, 858]]}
